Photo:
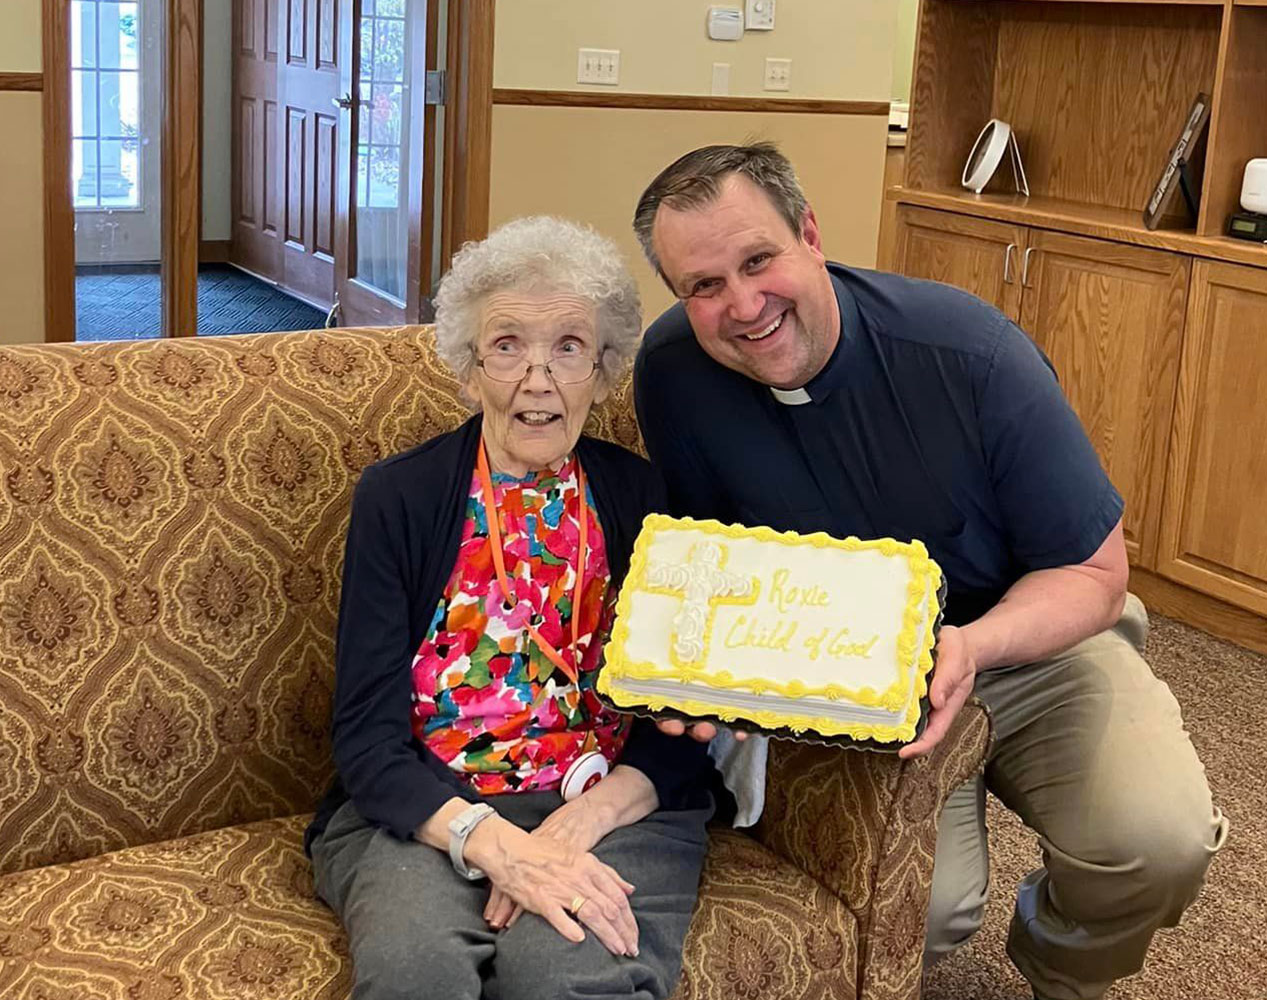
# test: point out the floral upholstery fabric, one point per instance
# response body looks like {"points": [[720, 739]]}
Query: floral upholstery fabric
{"points": [[171, 528]]}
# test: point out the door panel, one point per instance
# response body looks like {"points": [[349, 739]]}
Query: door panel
{"points": [[326, 174], [972, 254], [1213, 534], [254, 243], [309, 87], [383, 204], [1110, 318], [296, 147]]}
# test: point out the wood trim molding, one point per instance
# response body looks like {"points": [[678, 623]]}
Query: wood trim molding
{"points": [[674, 102], [182, 117], [213, 251], [59, 217], [25, 82], [469, 124], [1199, 610]]}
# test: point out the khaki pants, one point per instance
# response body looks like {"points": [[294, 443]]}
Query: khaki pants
{"points": [[1091, 753]]}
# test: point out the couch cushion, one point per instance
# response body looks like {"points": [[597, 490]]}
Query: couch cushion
{"points": [[226, 914], [231, 915], [764, 930]]}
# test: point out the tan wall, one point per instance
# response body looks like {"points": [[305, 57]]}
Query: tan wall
{"points": [[22, 212], [840, 49], [20, 39], [592, 164], [21, 180], [904, 48]]}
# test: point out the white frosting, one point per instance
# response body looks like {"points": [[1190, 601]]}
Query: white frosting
{"points": [[765, 611], [700, 579]]}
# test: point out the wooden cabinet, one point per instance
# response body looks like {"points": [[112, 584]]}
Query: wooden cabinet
{"points": [[1159, 335], [1111, 320], [975, 254], [1214, 525], [1110, 317]]}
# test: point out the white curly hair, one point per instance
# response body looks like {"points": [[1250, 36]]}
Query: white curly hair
{"points": [[547, 253]]}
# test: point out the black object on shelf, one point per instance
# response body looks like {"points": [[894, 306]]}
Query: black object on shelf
{"points": [[1248, 226], [1176, 174]]}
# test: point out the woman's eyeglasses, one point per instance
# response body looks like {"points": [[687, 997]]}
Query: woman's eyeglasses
{"points": [[566, 369]]}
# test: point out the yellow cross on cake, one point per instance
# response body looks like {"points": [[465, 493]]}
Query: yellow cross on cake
{"points": [[802, 633]]}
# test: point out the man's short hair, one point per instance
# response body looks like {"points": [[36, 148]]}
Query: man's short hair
{"points": [[694, 180]]}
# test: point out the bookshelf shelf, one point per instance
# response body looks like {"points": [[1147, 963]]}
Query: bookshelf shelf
{"points": [[1096, 221]]}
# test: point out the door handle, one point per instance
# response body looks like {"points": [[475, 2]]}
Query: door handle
{"points": [[1025, 267], [1007, 264], [345, 102]]}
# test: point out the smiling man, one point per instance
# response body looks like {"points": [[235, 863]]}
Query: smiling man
{"points": [[788, 391]]}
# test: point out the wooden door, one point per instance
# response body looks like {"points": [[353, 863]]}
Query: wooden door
{"points": [[1110, 318], [308, 117], [256, 205], [1214, 530], [977, 255], [386, 197]]}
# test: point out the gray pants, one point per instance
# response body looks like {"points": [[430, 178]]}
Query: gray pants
{"points": [[1092, 755], [416, 930]]}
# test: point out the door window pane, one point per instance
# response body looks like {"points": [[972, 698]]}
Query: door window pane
{"points": [[106, 103], [380, 214]]}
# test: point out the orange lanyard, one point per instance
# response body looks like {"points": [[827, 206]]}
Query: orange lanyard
{"points": [[493, 517]]}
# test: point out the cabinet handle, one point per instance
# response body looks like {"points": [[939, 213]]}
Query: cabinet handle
{"points": [[1007, 264], [1025, 267]]}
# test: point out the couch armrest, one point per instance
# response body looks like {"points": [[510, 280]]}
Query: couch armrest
{"points": [[865, 826]]}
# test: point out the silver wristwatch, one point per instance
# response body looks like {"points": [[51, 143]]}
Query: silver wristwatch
{"points": [[460, 828]]}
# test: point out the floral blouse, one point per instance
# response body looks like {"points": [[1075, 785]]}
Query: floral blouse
{"points": [[486, 699]]}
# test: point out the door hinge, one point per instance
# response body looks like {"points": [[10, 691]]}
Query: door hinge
{"points": [[437, 88]]}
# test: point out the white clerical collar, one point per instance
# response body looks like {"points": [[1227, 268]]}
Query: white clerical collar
{"points": [[791, 397]]}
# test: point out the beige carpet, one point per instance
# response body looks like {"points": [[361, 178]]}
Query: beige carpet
{"points": [[1219, 951]]}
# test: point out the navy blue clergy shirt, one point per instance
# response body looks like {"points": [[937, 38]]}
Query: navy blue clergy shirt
{"points": [[935, 418]]}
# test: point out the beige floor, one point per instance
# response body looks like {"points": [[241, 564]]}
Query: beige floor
{"points": [[1219, 951]]}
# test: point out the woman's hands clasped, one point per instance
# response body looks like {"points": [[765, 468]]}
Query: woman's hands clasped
{"points": [[549, 871]]}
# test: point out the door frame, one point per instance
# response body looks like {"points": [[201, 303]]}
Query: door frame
{"points": [[180, 144], [467, 156]]}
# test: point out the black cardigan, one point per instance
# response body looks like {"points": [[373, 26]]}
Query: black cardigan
{"points": [[403, 540]]}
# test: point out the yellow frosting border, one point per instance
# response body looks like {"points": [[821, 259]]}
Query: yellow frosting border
{"points": [[912, 647]]}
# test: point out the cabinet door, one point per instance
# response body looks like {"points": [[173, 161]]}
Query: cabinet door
{"points": [[1214, 530], [974, 254], [1110, 318]]}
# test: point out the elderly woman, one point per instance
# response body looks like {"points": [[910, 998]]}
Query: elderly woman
{"points": [[479, 777]]}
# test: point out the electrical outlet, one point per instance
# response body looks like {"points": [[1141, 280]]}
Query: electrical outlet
{"points": [[598, 66], [778, 74]]}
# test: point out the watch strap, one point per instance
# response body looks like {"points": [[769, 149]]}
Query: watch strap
{"points": [[460, 828]]}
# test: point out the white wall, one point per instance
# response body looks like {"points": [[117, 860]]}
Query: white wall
{"points": [[840, 49], [217, 118]]}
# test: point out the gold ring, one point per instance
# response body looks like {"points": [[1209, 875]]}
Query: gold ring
{"points": [[577, 903]]}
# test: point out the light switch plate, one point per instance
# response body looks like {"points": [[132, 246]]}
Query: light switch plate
{"points": [[759, 15], [778, 74], [600, 66], [721, 79]]}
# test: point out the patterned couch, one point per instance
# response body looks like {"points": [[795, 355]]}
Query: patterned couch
{"points": [[171, 526]]}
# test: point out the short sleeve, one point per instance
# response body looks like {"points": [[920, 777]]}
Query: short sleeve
{"points": [[1056, 500]]}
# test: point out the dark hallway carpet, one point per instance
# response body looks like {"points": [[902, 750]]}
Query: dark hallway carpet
{"points": [[124, 305], [1219, 951]]}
